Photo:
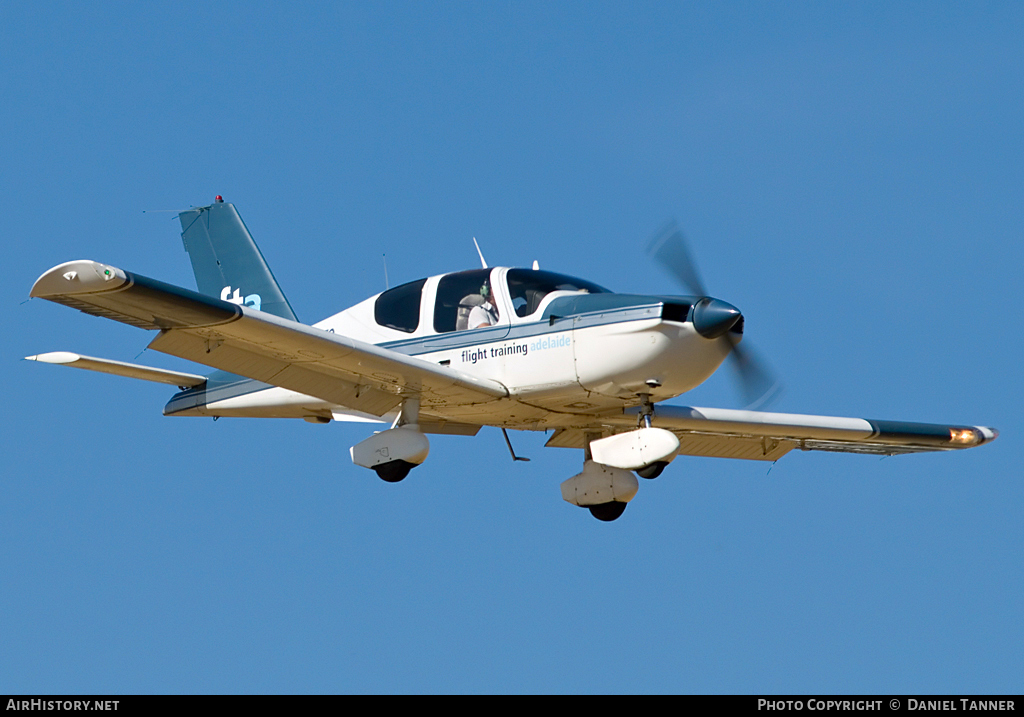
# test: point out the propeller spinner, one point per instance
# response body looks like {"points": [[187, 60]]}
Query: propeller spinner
{"points": [[714, 318]]}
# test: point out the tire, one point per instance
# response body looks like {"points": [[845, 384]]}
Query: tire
{"points": [[653, 470], [607, 512], [394, 471]]}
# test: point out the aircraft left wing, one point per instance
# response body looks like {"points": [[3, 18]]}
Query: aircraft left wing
{"points": [[259, 345], [762, 436]]}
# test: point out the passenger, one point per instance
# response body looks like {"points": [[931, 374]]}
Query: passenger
{"points": [[486, 314]]}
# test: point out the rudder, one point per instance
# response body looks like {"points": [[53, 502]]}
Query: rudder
{"points": [[226, 261]]}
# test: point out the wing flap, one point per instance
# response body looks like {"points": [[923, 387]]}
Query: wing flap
{"points": [[328, 383], [259, 345], [714, 445]]}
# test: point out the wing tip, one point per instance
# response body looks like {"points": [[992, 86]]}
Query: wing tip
{"points": [[81, 276], [988, 434]]}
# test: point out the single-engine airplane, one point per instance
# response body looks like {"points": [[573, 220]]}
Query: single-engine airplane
{"points": [[513, 348]]}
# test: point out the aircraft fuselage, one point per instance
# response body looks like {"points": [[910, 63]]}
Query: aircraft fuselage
{"points": [[561, 349]]}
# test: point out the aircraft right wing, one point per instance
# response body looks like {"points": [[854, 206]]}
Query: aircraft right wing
{"points": [[261, 346], [762, 436]]}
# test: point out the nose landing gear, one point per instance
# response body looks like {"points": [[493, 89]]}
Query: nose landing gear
{"points": [[608, 482]]}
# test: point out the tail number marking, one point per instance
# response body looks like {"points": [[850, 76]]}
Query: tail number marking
{"points": [[252, 300]]}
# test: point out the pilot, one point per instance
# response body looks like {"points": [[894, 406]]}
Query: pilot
{"points": [[486, 314]]}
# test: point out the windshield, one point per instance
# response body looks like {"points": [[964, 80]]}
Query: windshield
{"points": [[528, 287]]}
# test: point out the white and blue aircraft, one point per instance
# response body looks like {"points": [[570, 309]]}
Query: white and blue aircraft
{"points": [[521, 349]]}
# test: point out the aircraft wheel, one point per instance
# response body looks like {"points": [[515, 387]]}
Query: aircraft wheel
{"points": [[394, 471], [607, 511], [653, 470]]}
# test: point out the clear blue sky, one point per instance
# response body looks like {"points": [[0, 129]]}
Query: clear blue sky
{"points": [[851, 175]]}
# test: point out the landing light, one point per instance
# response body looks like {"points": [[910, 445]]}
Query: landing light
{"points": [[962, 436]]}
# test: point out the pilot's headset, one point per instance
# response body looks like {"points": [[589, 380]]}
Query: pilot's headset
{"points": [[485, 291]]}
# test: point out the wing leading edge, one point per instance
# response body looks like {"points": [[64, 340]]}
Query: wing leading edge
{"points": [[261, 346]]}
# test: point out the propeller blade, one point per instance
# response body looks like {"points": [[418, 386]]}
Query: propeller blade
{"points": [[714, 318], [757, 383], [669, 248]]}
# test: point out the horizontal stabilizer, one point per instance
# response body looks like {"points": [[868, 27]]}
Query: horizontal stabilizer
{"points": [[120, 368]]}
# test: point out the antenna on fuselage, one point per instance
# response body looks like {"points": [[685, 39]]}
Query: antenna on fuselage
{"points": [[387, 285], [483, 262]]}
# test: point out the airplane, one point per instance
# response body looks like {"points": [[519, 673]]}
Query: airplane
{"points": [[513, 348]]}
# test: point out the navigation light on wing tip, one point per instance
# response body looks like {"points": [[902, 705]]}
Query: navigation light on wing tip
{"points": [[965, 435]]}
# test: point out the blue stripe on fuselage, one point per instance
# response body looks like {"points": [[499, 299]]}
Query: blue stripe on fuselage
{"points": [[476, 337]]}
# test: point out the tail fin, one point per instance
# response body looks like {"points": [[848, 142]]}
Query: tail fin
{"points": [[227, 263]]}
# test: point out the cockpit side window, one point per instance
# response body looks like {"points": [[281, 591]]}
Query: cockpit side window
{"points": [[399, 308], [528, 287], [457, 295]]}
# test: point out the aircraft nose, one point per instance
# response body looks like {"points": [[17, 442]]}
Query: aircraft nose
{"points": [[713, 317]]}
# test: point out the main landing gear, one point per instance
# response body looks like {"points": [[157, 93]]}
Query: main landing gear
{"points": [[394, 452]]}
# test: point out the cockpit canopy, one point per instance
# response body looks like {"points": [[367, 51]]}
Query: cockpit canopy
{"points": [[458, 294]]}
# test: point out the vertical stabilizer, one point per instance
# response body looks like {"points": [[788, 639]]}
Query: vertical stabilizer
{"points": [[226, 261]]}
